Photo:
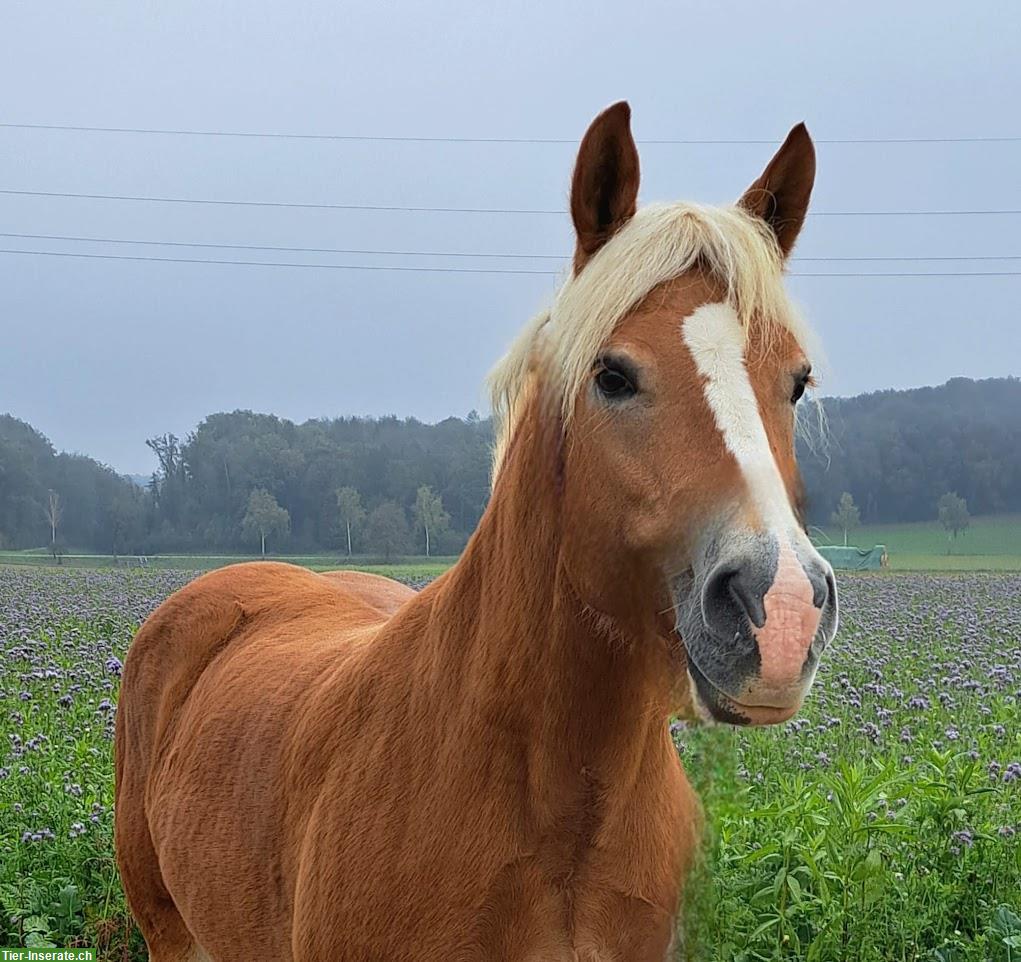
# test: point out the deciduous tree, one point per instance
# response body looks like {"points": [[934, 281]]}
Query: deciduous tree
{"points": [[429, 514], [264, 518], [388, 529], [953, 515], [349, 507], [846, 517], [54, 510]]}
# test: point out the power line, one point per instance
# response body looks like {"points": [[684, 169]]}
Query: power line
{"points": [[335, 267], [470, 254], [914, 257], [907, 274], [458, 270], [293, 250], [459, 210], [272, 135], [271, 203]]}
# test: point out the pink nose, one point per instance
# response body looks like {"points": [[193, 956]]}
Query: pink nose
{"points": [[769, 612], [791, 623]]}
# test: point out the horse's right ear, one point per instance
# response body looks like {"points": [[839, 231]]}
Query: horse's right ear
{"points": [[781, 195], [604, 189]]}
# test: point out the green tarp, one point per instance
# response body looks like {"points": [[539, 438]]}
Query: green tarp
{"points": [[860, 559]]}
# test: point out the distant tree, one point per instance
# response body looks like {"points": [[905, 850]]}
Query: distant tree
{"points": [[388, 529], [349, 507], [953, 515], [429, 514], [57, 551], [168, 485], [124, 521], [846, 516], [264, 518], [53, 511]]}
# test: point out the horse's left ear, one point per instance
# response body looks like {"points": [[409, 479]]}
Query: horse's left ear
{"points": [[780, 196], [604, 189]]}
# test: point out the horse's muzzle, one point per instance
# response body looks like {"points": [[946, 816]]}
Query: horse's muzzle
{"points": [[756, 630]]}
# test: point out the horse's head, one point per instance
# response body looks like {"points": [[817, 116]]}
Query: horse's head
{"points": [[680, 362]]}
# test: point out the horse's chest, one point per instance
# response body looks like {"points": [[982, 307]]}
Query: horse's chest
{"points": [[587, 918]]}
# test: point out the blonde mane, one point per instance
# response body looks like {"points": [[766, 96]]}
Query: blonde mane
{"points": [[661, 242]]}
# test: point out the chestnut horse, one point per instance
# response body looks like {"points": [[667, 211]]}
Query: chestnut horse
{"points": [[336, 769]]}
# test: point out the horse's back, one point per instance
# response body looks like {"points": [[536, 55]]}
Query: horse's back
{"points": [[383, 594], [211, 690], [197, 626]]}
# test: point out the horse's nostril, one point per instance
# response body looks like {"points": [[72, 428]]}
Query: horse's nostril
{"points": [[828, 592], [729, 586], [750, 600]]}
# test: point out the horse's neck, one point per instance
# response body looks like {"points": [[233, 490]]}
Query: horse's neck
{"points": [[507, 628]]}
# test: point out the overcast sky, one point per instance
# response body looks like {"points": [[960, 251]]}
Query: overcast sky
{"points": [[100, 354]]}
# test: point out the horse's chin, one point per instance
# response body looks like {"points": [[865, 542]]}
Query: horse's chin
{"points": [[713, 705]]}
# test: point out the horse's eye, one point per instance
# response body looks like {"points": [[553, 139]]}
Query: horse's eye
{"points": [[614, 382], [802, 380]]}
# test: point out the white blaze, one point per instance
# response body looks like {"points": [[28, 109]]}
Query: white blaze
{"points": [[716, 341], [715, 338]]}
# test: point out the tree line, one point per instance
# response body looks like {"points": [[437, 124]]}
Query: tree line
{"points": [[387, 487], [898, 452]]}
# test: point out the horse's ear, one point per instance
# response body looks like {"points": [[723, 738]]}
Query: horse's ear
{"points": [[604, 189], [780, 196]]}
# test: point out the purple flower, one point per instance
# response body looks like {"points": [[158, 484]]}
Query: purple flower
{"points": [[961, 839]]}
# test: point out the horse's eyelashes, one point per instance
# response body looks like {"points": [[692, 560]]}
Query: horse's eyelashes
{"points": [[802, 380], [615, 381]]}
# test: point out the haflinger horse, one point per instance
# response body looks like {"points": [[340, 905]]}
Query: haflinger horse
{"points": [[338, 769]]}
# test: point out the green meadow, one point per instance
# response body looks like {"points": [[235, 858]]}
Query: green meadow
{"points": [[417, 568], [991, 543]]}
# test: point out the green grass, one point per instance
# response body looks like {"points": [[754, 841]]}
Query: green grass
{"points": [[413, 568], [882, 824], [991, 543], [940, 562], [410, 571]]}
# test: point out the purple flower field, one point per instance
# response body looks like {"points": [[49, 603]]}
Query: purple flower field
{"points": [[62, 637], [882, 823]]}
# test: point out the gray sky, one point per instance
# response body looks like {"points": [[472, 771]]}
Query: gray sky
{"points": [[100, 354]]}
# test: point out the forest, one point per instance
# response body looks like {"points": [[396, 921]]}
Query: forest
{"points": [[376, 485]]}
